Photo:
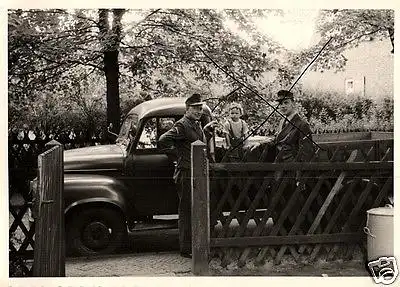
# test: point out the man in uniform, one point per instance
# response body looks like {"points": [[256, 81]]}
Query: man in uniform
{"points": [[179, 139], [293, 141]]}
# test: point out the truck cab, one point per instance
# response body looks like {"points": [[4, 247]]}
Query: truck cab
{"points": [[109, 189]]}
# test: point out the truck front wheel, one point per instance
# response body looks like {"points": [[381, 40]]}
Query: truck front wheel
{"points": [[95, 231]]}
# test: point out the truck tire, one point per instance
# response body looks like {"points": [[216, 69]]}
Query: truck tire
{"points": [[95, 231]]}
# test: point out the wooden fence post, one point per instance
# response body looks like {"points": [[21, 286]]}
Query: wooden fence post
{"points": [[200, 209], [49, 251]]}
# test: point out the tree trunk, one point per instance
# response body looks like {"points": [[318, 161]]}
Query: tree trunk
{"points": [[110, 39], [111, 71]]}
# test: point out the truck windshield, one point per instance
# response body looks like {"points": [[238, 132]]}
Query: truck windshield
{"points": [[128, 130]]}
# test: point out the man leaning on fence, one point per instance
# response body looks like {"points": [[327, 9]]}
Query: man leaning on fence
{"points": [[293, 140], [178, 141]]}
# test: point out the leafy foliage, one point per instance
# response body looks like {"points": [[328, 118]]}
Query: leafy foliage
{"points": [[333, 112], [346, 28], [52, 52], [58, 67]]}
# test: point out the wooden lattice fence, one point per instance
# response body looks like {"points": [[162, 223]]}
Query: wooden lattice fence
{"points": [[23, 155], [299, 211], [21, 241]]}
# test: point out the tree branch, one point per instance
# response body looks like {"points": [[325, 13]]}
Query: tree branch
{"points": [[356, 38], [151, 14]]}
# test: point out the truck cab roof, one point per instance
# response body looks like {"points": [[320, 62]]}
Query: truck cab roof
{"points": [[163, 107]]}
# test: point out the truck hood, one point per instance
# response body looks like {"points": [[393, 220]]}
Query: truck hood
{"points": [[95, 157]]}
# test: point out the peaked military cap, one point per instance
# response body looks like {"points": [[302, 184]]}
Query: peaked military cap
{"points": [[194, 100], [283, 95]]}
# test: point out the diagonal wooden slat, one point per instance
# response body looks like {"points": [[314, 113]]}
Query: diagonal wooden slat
{"points": [[18, 215], [253, 206], [21, 264], [355, 210], [278, 189], [388, 154], [221, 202], [328, 200], [335, 153], [236, 206], [28, 238], [281, 206], [234, 213], [214, 217], [252, 209], [301, 216], [370, 153], [335, 216], [227, 190], [251, 180], [283, 216], [383, 191], [235, 187], [364, 195], [364, 153], [315, 156]]}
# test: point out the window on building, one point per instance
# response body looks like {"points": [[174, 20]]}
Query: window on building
{"points": [[349, 86]]}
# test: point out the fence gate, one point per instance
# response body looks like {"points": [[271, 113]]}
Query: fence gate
{"points": [[49, 251]]}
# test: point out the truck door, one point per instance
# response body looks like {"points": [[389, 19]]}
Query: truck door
{"points": [[149, 171]]}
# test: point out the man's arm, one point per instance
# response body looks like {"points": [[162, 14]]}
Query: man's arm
{"points": [[167, 141], [306, 145], [209, 129]]}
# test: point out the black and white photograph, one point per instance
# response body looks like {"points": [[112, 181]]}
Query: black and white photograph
{"points": [[201, 142]]}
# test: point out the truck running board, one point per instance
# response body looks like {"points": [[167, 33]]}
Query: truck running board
{"points": [[155, 224]]}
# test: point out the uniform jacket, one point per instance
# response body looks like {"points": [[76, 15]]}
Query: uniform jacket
{"points": [[290, 141], [179, 139]]}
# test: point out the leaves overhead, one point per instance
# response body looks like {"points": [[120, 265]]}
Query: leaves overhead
{"points": [[56, 56], [47, 48], [53, 49], [169, 41], [347, 28]]}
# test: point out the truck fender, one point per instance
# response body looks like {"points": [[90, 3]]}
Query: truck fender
{"points": [[80, 190]]}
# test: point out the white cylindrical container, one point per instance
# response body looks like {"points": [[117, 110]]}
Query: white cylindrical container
{"points": [[379, 232]]}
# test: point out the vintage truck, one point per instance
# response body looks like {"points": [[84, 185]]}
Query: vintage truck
{"points": [[110, 190]]}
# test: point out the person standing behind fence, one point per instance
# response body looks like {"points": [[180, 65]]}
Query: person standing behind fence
{"points": [[178, 140], [235, 130], [293, 141]]}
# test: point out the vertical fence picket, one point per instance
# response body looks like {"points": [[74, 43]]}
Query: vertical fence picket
{"points": [[49, 252], [200, 209]]}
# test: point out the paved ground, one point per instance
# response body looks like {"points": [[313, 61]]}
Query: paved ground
{"points": [[139, 264], [171, 264], [155, 253]]}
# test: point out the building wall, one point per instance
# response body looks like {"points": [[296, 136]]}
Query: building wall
{"points": [[369, 72]]}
